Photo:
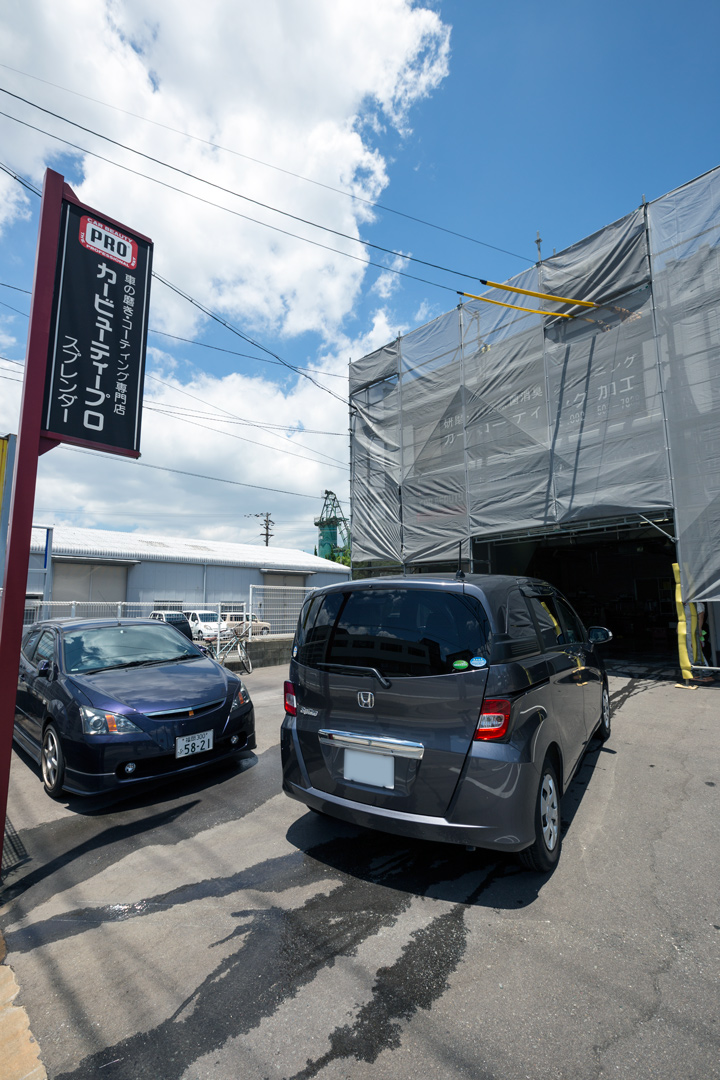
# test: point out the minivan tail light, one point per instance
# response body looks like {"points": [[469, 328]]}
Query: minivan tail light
{"points": [[494, 719], [290, 700]]}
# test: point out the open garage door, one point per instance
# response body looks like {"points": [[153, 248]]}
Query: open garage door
{"points": [[616, 576]]}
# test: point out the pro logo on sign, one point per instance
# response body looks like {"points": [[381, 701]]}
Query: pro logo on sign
{"points": [[95, 236]]}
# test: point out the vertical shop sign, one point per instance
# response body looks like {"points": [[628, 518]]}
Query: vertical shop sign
{"points": [[96, 361], [83, 384]]}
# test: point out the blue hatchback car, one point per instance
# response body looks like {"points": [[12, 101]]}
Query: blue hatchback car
{"points": [[105, 703]]}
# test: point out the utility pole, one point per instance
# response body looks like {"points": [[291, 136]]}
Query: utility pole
{"points": [[265, 527]]}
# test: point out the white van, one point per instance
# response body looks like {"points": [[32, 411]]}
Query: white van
{"points": [[204, 624]]}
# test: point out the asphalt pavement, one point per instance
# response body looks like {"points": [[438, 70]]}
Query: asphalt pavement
{"points": [[214, 928]]}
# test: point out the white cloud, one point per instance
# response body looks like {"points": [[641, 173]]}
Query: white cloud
{"points": [[298, 83], [388, 282], [7, 337], [289, 82]]}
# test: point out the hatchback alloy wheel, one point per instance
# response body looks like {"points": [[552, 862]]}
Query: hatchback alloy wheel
{"points": [[52, 762]]}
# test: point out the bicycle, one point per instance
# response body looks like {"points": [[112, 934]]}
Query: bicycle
{"points": [[234, 643]]}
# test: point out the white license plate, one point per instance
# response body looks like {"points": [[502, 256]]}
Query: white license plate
{"points": [[364, 768], [193, 744]]}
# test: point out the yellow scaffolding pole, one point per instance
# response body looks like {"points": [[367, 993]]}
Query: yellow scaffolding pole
{"points": [[516, 307], [539, 295]]}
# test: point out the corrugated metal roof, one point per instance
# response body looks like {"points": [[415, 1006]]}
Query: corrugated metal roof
{"points": [[102, 544]]}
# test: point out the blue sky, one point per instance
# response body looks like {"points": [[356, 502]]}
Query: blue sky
{"points": [[493, 121]]}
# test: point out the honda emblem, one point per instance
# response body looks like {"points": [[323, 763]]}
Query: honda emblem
{"points": [[366, 699]]}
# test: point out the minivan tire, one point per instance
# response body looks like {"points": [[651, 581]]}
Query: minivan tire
{"points": [[603, 729], [544, 852]]}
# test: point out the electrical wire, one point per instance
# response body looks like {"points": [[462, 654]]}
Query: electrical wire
{"points": [[229, 326], [233, 352], [149, 515], [245, 337], [243, 438], [231, 418], [17, 288], [166, 410], [16, 310], [197, 476], [235, 213], [277, 168], [25, 183], [201, 344], [222, 188]]}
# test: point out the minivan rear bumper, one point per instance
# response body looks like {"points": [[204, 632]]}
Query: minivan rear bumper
{"points": [[493, 806], [413, 825]]}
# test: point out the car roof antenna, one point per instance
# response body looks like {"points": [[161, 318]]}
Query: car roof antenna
{"points": [[460, 576]]}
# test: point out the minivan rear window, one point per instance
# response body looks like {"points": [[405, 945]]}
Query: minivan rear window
{"points": [[411, 632]]}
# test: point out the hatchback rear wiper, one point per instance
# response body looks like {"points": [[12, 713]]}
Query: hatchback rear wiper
{"points": [[352, 669]]}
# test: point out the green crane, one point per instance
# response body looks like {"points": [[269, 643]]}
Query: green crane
{"points": [[333, 531]]}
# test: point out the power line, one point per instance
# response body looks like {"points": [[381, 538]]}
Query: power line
{"points": [[231, 418], [25, 183], [229, 191], [235, 213], [190, 516], [17, 288], [243, 438], [197, 476], [233, 352], [240, 334], [276, 168], [225, 323], [201, 344], [11, 308], [167, 410]]}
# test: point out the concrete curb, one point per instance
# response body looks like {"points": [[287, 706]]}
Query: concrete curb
{"points": [[19, 1052]]}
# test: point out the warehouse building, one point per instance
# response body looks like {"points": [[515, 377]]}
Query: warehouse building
{"points": [[83, 567], [576, 443]]}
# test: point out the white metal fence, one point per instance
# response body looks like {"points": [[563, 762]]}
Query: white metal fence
{"points": [[82, 609], [278, 605]]}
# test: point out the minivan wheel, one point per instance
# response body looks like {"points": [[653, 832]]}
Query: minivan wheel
{"points": [[603, 731], [52, 762], [544, 853]]}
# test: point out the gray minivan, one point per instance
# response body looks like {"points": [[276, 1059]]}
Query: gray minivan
{"points": [[445, 709]]}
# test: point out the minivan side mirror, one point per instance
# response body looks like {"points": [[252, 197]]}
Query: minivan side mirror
{"points": [[599, 635], [45, 668]]}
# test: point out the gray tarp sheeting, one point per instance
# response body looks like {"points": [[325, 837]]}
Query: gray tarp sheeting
{"points": [[489, 421]]}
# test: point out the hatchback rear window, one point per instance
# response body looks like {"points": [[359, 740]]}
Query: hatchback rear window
{"points": [[411, 632]]}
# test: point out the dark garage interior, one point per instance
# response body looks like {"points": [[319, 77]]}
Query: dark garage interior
{"points": [[621, 579]]}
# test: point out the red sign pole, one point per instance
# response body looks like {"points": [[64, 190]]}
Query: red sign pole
{"points": [[29, 448]]}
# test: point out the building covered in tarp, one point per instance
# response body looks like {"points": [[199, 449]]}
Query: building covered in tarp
{"points": [[533, 443]]}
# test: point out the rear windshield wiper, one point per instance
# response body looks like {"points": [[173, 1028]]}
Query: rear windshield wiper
{"points": [[357, 669]]}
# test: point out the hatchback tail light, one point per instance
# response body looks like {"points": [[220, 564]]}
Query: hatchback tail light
{"points": [[494, 719], [290, 700]]}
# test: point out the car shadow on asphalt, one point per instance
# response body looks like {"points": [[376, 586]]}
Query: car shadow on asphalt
{"points": [[448, 872], [144, 793]]}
